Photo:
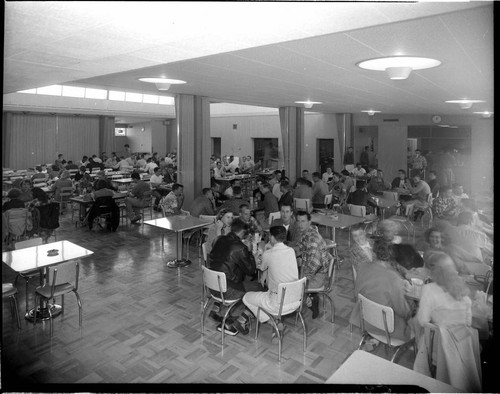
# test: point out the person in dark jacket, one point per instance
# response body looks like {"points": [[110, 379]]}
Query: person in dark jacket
{"points": [[14, 201]]}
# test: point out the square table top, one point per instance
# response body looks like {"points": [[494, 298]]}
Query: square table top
{"points": [[363, 368], [179, 223], [34, 257], [384, 202], [80, 200], [343, 221]]}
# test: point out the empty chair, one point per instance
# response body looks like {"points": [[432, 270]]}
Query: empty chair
{"points": [[147, 199], [63, 198], [10, 292], [28, 274], [18, 222], [48, 220], [291, 296], [274, 215], [324, 291], [328, 200], [381, 317], [302, 204], [216, 281], [61, 279]]}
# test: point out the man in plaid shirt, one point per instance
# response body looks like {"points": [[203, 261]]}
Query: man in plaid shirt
{"points": [[314, 257]]}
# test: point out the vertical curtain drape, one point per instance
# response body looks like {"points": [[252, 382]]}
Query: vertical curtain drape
{"points": [[30, 140], [292, 135], [344, 125], [107, 141], [77, 136]]}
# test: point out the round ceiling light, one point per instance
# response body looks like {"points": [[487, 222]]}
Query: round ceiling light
{"points": [[370, 112], [308, 104], [485, 114], [464, 103], [398, 67], [162, 83]]}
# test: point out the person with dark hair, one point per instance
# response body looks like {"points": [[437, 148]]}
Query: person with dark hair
{"points": [[433, 183], [281, 265], [14, 200], [361, 197], [135, 201], [172, 203], [305, 175], [381, 283], [170, 176], [150, 166], [39, 197], [314, 258], [286, 194], [349, 156], [60, 162], [229, 193], [231, 256], [401, 181], [253, 224], [83, 162], [101, 189], [287, 220], [364, 157], [81, 172], [71, 166], [444, 206], [270, 200], [203, 204], [446, 304], [337, 188], [26, 185], [358, 170], [234, 203], [419, 197], [101, 176], [39, 173], [377, 183], [418, 163]]}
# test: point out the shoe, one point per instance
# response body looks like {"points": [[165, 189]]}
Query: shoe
{"points": [[241, 325], [371, 344], [281, 328], [215, 316], [228, 330], [134, 220]]}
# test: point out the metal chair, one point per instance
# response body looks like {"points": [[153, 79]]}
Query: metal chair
{"points": [[427, 210], [216, 281], [64, 195], [9, 291], [274, 215], [302, 204], [407, 224], [328, 200], [147, 199], [324, 291], [291, 296], [61, 279], [19, 222], [28, 274], [381, 317]]}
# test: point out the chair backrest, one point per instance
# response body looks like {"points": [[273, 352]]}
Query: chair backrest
{"points": [[17, 220], [62, 274], [357, 210], [214, 280], [291, 294], [65, 193], [204, 252], [431, 342], [49, 215], [117, 176], [274, 215], [391, 195], [378, 315], [328, 199], [147, 196], [332, 272], [28, 243], [301, 204], [95, 170], [208, 217]]}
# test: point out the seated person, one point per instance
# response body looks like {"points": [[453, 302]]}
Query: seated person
{"points": [[39, 174], [270, 202], [419, 197], [111, 162], [219, 170], [281, 265], [361, 250], [229, 191], [377, 183], [13, 200], [433, 183], [123, 165], [287, 220], [101, 176], [150, 166], [172, 203], [401, 184], [141, 163], [303, 190], [71, 166], [64, 181], [313, 258], [445, 303], [101, 190], [222, 226], [156, 181], [170, 176], [458, 193], [319, 191], [203, 204], [286, 194], [469, 205], [358, 170], [216, 187], [338, 189], [444, 206], [26, 194], [361, 197], [235, 202], [348, 182], [92, 164], [327, 176], [231, 256], [79, 175], [135, 201], [253, 224], [381, 283]]}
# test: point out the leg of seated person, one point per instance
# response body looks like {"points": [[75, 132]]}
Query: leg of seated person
{"points": [[255, 299]]}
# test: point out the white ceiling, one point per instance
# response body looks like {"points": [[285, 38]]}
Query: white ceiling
{"points": [[266, 54]]}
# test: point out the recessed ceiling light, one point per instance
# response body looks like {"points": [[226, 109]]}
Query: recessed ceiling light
{"points": [[162, 83], [308, 104], [398, 67], [485, 114], [370, 112], [464, 103]]}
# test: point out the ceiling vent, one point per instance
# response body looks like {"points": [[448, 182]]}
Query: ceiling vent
{"points": [[391, 120]]}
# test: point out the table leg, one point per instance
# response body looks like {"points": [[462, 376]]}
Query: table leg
{"points": [[179, 261]]}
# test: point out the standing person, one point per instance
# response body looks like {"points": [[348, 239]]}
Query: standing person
{"points": [[446, 164], [319, 191], [281, 264], [135, 201], [364, 158], [314, 259], [231, 256], [286, 194], [349, 157], [126, 153], [419, 163], [433, 183]]}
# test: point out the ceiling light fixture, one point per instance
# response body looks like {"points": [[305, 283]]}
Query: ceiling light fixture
{"points": [[308, 104], [485, 114], [464, 103], [162, 83], [398, 67], [370, 112]]}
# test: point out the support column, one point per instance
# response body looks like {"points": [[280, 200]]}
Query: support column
{"points": [[344, 127], [193, 144], [292, 134]]}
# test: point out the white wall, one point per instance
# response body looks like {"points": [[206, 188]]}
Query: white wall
{"points": [[139, 137], [317, 125]]}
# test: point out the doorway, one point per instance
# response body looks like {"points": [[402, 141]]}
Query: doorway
{"points": [[324, 153], [265, 150], [216, 146]]}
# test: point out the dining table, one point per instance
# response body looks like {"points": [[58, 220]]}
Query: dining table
{"points": [[41, 257], [334, 220], [366, 372], [384, 202], [178, 224], [86, 202]]}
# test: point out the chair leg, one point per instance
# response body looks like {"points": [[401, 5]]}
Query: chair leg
{"points": [[15, 311], [34, 310], [27, 307], [79, 308], [304, 330], [51, 322]]}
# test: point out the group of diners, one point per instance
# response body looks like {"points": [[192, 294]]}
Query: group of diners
{"points": [[230, 165]]}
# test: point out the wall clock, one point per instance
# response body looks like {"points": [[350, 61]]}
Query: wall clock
{"points": [[436, 119]]}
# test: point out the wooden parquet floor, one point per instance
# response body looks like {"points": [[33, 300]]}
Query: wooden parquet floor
{"points": [[141, 324]]}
